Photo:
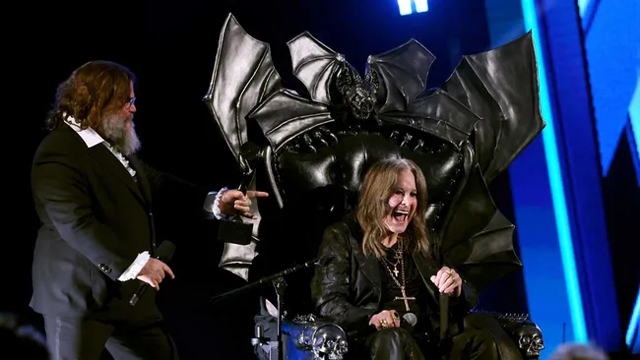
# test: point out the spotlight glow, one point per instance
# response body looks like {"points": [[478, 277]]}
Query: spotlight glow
{"points": [[408, 7]]}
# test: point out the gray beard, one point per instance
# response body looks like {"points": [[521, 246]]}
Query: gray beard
{"points": [[114, 129]]}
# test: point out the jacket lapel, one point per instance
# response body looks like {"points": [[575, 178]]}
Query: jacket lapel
{"points": [[109, 162], [369, 267], [368, 264]]}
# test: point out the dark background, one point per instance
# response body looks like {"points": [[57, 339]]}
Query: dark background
{"points": [[171, 47]]}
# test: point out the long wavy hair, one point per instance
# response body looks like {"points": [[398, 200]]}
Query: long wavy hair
{"points": [[380, 183], [95, 88]]}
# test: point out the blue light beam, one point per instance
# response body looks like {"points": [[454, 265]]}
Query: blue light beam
{"points": [[634, 128], [556, 183], [633, 332]]}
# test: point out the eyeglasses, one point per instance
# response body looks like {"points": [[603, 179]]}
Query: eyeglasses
{"points": [[130, 102]]}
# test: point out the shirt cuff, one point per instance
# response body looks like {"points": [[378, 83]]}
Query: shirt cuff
{"points": [[135, 267], [212, 204]]}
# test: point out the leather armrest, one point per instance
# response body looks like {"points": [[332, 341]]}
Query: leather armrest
{"points": [[524, 332]]}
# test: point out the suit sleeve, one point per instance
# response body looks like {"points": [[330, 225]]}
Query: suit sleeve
{"points": [[62, 189], [168, 189], [182, 209], [331, 284]]}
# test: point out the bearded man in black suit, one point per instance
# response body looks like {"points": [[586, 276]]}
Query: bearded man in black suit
{"points": [[97, 241]]}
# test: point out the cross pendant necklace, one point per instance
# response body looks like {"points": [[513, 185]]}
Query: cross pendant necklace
{"points": [[405, 298], [398, 257], [395, 272]]}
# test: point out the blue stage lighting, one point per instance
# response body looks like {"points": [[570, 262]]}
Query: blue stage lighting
{"points": [[408, 7], [633, 332], [556, 183], [583, 6], [633, 129]]}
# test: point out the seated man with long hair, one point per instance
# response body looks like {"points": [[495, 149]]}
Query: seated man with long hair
{"points": [[379, 270]]}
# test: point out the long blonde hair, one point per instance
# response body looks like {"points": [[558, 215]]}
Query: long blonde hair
{"points": [[380, 183]]}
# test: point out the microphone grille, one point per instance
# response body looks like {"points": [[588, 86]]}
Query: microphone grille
{"points": [[165, 250], [410, 318]]}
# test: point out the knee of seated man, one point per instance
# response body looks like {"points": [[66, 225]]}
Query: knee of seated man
{"points": [[484, 338], [391, 335]]}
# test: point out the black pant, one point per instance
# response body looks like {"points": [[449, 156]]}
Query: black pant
{"points": [[80, 339], [398, 344]]}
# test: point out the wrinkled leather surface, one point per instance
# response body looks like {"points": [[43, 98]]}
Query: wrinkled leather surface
{"points": [[402, 73], [302, 115], [314, 63], [501, 87]]}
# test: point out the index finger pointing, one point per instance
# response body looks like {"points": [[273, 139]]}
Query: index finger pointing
{"points": [[253, 193]]}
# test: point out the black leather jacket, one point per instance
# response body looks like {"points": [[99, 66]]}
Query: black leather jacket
{"points": [[346, 287]]}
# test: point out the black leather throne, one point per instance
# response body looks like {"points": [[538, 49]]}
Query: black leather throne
{"points": [[316, 177], [316, 148]]}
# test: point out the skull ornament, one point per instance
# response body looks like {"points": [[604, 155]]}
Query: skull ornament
{"points": [[329, 343], [530, 339]]}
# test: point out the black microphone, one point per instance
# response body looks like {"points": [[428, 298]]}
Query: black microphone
{"points": [[236, 231], [267, 279], [444, 315], [408, 321], [164, 253]]}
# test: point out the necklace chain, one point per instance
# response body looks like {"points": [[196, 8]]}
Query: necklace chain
{"points": [[404, 296], [399, 255]]}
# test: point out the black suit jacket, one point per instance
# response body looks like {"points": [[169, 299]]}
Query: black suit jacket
{"points": [[95, 219], [346, 287]]}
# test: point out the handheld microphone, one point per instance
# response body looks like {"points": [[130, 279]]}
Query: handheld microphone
{"points": [[409, 321], [164, 253]]}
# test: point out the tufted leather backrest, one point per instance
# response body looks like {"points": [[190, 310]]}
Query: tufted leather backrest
{"points": [[338, 160]]}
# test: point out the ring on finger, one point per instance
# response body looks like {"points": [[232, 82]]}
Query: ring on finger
{"points": [[383, 323]]}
